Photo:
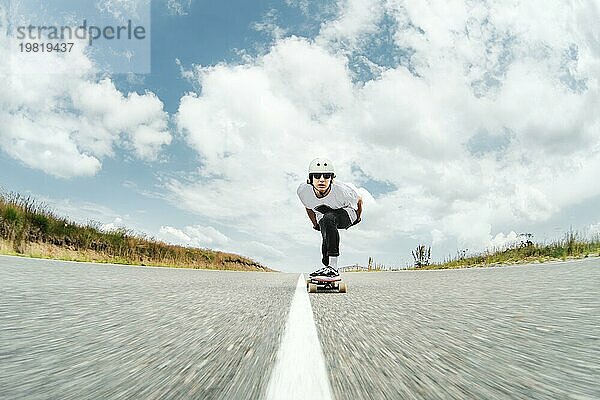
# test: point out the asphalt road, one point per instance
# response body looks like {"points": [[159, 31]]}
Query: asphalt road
{"points": [[526, 332], [83, 331]]}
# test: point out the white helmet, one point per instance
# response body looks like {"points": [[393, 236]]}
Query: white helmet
{"points": [[322, 165]]}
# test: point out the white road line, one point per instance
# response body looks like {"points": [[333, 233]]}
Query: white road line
{"points": [[299, 371]]}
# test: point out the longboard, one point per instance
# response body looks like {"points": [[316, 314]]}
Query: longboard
{"points": [[326, 283]]}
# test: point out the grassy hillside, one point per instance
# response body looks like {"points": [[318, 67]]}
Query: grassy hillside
{"points": [[572, 245], [29, 228]]}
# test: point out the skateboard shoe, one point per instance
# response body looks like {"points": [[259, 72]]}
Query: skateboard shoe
{"points": [[326, 271], [320, 271]]}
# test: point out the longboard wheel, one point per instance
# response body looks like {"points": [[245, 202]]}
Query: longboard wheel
{"points": [[343, 288], [312, 288]]}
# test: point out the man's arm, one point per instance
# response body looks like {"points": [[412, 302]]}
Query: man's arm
{"points": [[359, 209], [313, 218]]}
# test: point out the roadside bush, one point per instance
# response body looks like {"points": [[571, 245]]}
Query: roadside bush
{"points": [[41, 223], [23, 220], [12, 222], [11, 215]]}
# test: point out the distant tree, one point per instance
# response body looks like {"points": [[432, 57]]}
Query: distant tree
{"points": [[422, 255], [461, 254], [526, 239]]}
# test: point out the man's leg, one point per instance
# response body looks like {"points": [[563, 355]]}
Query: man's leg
{"points": [[325, 259], [329, 225]]}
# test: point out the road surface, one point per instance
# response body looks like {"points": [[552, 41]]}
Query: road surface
{"points": [[89, 331]]}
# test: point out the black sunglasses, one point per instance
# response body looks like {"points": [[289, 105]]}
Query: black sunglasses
{"points": [[325, 176]]}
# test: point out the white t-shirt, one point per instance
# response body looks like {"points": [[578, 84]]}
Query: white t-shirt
{"points": [[340, 196]]}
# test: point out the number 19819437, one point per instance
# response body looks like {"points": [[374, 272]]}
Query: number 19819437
{"points": [[45, 47]]}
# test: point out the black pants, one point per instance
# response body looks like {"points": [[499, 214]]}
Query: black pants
{"points": [[330, 223]]}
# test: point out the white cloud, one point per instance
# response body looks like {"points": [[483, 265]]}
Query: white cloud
{"points": [[302, 5], [123, 9], [593, 231], [45, 144], [355, 19], [194, 236], [140, 117], [179, 7], [492, 69], [269, 26], [502, 241], [55, 115], [111, 226], [168, 233], [437, 236], [265, 250]]}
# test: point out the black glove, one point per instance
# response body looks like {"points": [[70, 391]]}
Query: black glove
{"points": [[316, 227]]}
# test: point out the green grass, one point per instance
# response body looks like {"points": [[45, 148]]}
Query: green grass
{"points": [[26, 223], [572, 245]]}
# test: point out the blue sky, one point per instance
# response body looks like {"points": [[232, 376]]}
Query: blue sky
{"points": [[208, 33], [460, 123]]}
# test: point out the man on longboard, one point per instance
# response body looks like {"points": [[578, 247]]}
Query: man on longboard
{"points": [[330, 205]]}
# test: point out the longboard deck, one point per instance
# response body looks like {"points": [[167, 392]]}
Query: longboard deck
{"points": [[327, 283], [325, 278]]}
